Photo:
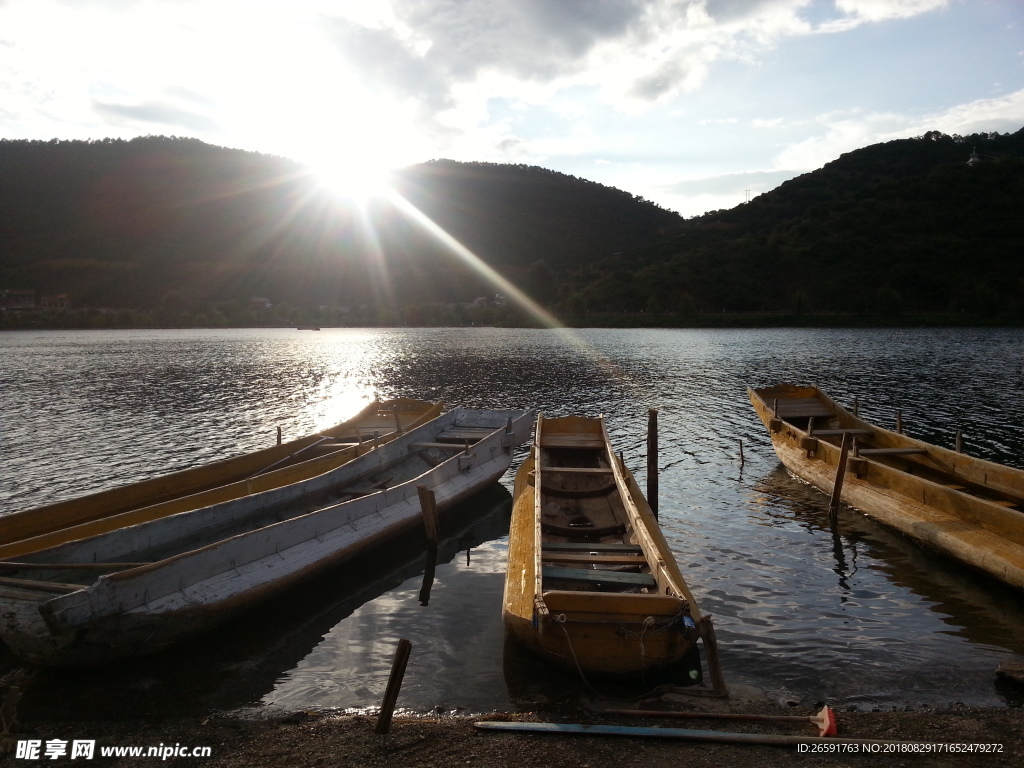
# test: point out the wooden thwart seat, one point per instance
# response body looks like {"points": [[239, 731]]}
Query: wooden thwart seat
{"points": [[599, 577], [890, 451], [465, 433], [554, 557], [571, 441], [577, 470], [801, 408], [840, 432], [571, 546]]}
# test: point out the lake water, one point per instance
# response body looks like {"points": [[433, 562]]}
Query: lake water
{"points": [[858, 616]]}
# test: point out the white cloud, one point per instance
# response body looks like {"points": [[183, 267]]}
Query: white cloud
{"points": [[884, 10], [849, 131]]}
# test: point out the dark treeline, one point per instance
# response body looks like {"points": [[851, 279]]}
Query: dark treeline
{"points": [[168, 226], [897, 228], [170, 232]]}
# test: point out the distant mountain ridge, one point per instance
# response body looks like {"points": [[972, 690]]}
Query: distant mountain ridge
{"points": [[188, 232], [126, 223]]}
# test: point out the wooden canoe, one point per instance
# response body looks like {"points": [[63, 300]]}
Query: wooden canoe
{"points": [[292, 462], [591, 582], [134, 590], [967, 508]]}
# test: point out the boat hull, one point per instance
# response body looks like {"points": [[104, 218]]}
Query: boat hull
{"points": [[44, 527], [141, 610], [595, 633], [942, 510]]}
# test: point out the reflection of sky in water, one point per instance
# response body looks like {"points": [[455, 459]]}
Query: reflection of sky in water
{"points": [[457, 639], [859, 616]]}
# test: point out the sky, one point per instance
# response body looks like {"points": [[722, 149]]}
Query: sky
{"points": [[695, 104]]}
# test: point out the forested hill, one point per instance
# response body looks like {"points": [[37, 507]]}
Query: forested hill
{"points": [[179, 229], [175, 222], [904, 226]]}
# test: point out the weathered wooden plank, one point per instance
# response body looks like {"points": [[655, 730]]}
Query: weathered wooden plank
{"points": [[555, 557], [571, 441], [891, 451], [626, 605], [840, 432], [587, 547], [44, 586], [599, 577], [577, 470]]}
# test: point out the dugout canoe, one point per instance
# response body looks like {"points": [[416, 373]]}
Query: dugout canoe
{"points": [[591, 583], [135, 590], [967, 508], [291, 462]]}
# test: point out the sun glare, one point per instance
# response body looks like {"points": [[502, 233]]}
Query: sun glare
{"points": [[353, 180]]}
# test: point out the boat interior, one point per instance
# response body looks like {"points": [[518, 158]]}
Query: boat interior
{"points": [[808, 410], [587, 541], [63, 569]]}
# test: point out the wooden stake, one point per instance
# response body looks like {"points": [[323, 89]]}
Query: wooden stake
{"points": [[741, 453], [387, 707], [856, 406], [899, 422], [428, 575], [398, 422], [428, 507], [959, 441], [844, 452], [278, 435], [707, 634], [810, 427], [652, 460]]}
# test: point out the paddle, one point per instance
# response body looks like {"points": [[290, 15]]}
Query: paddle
{"points": [[825, 719]]}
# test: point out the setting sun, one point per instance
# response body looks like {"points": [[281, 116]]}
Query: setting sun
{"points": [[352, 179]]}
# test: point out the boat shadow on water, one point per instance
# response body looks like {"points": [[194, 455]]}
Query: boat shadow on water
{"points": [[236, 664], [975, 605], [907, 582]]}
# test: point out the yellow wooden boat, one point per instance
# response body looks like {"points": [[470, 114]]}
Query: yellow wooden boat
{"points": [[292, 462], [967, 508], [591, 582]]}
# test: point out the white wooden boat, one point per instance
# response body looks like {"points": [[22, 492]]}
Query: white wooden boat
{"points": [[964, 507], [134, 590]]}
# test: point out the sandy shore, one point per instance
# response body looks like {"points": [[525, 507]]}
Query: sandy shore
{"points": [[300, 739]]}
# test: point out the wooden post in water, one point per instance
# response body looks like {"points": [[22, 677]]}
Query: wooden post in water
{"points": [[387, 707], [899, 422], [398, 422], [856, 406], [652, 460], [707, 634], [278, 435], [959, 440], [429, 569], [844, 452], [428, 507], [741, 453]]}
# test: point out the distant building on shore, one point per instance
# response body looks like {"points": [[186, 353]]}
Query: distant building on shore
{"points": [[17, 298], [59, 301]]}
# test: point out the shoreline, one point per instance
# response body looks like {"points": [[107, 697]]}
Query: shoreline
{"points": [[314, 738]]}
